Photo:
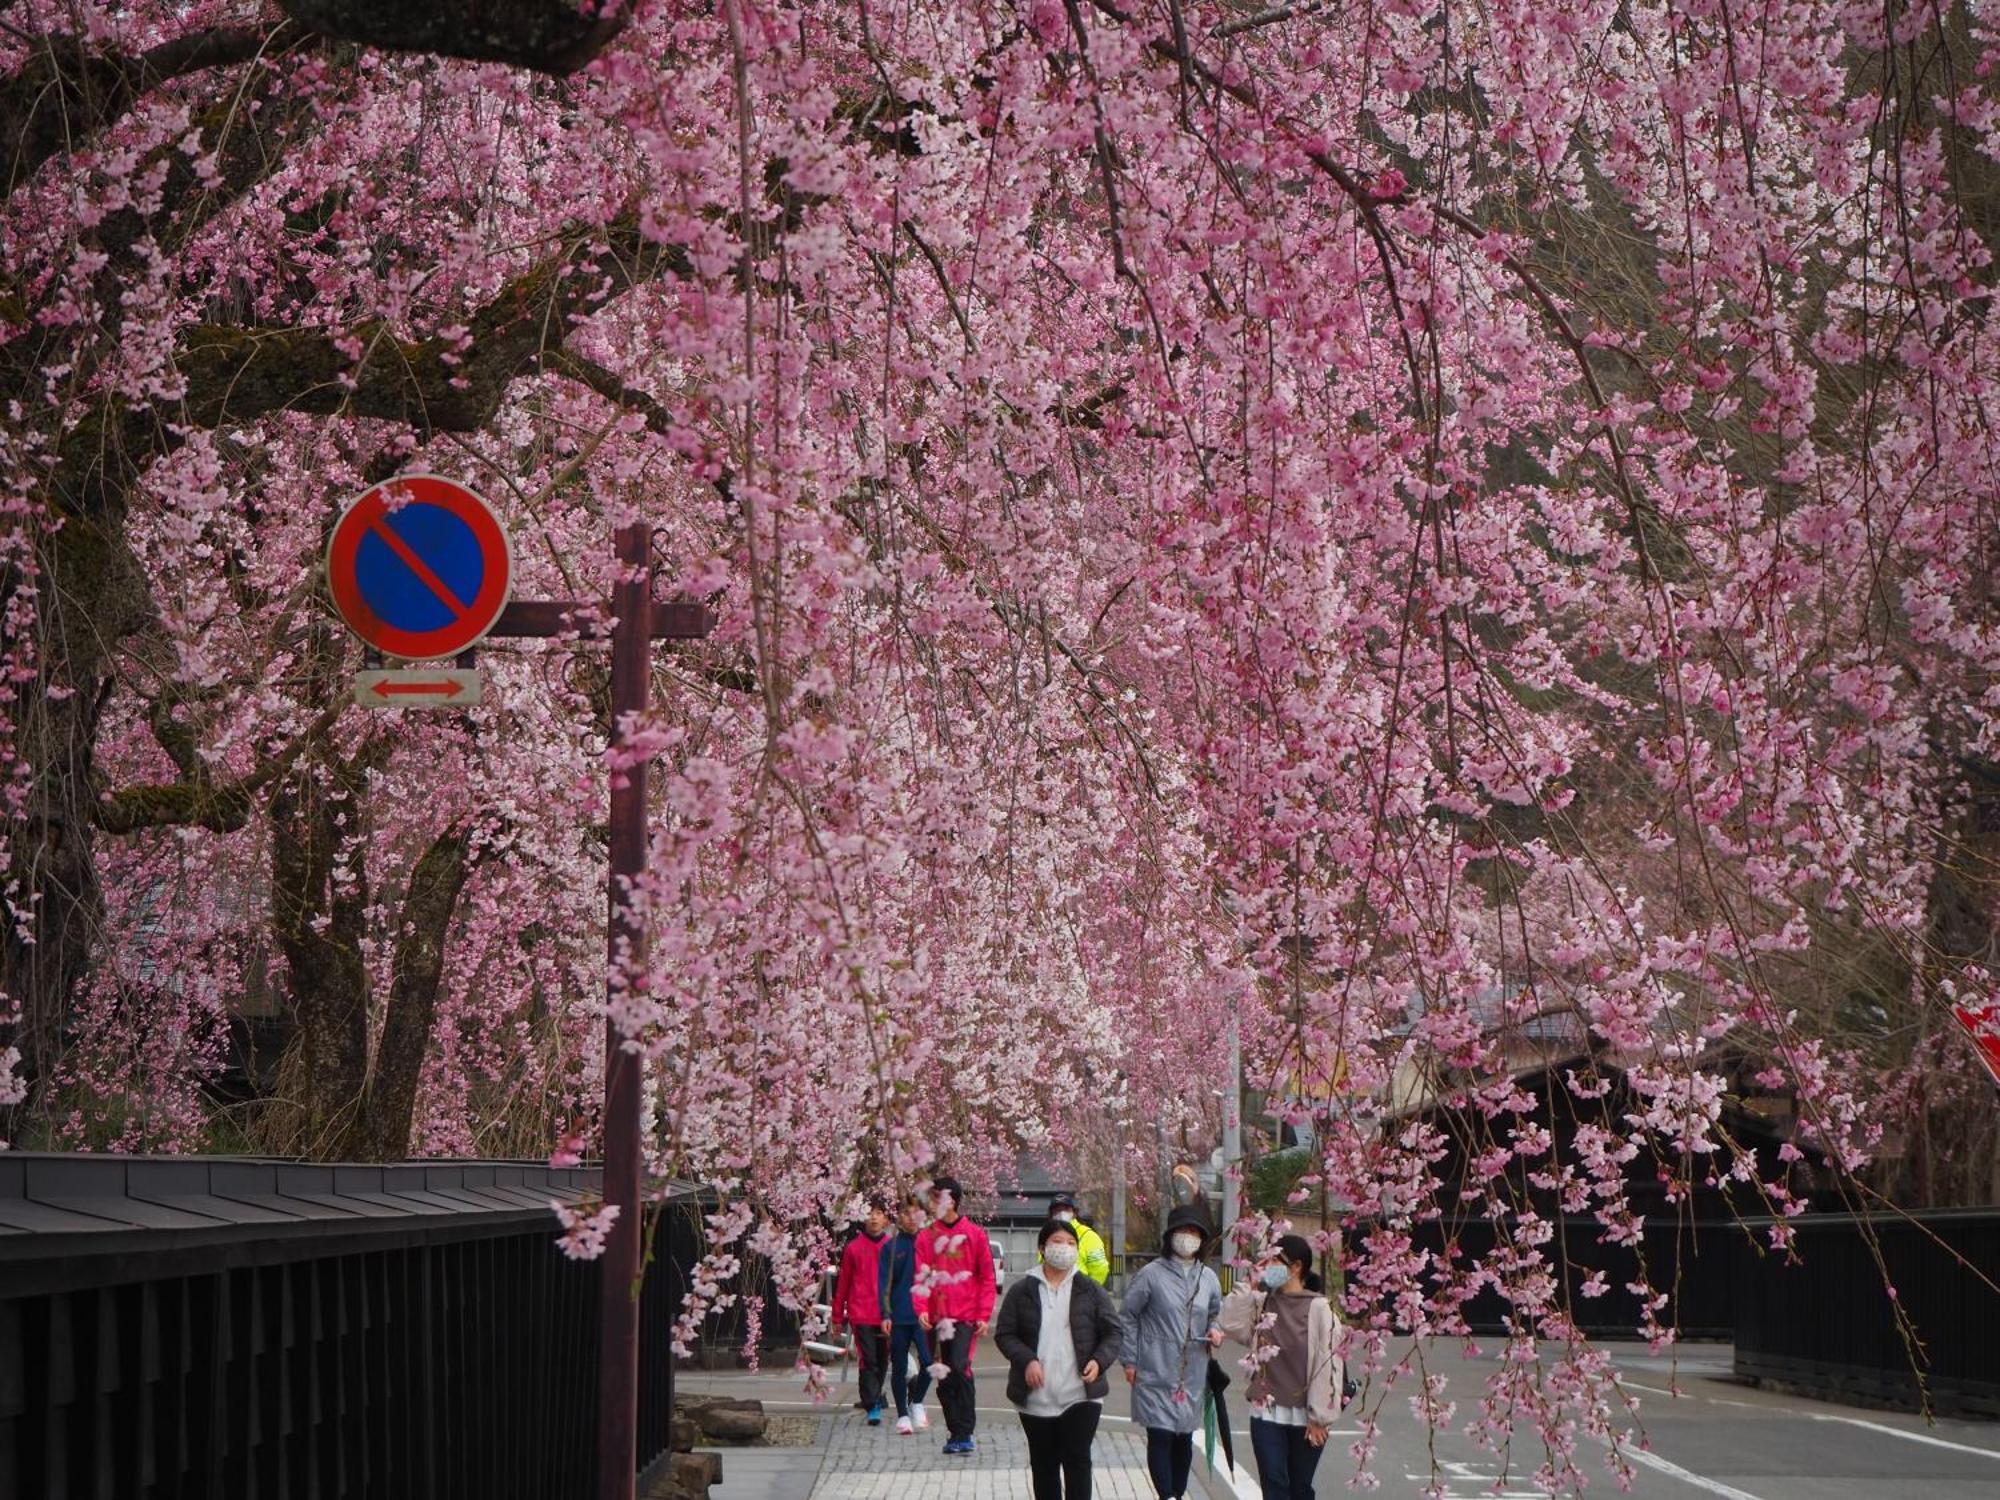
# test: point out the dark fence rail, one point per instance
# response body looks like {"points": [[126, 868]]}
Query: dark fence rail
{"points": [[1827, 1325], [1689, 1261], [217, 1327]]}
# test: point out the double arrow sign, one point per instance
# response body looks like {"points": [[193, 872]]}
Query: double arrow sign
{"points": [[417, 687]]}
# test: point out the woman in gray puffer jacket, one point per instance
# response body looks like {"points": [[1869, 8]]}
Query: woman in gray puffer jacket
{"points": [[1171, 1316]]}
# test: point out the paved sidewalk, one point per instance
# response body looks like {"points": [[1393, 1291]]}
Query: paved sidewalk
{"points": [[873, 1463], [853, 1461]]}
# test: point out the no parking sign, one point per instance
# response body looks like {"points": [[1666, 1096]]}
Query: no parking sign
{"points": [[1982, 1024], [419, 567]]}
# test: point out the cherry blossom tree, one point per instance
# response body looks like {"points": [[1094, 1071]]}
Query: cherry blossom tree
{"points": [[1311, 515]]}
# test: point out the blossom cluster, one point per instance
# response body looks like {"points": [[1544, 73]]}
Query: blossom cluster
{"points": [[1416, 529]]}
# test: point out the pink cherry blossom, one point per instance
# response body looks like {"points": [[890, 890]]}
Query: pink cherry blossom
{"points": [[1192, 538]]}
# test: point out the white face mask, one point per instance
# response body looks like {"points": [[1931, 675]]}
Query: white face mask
{"points": [[1186, 1245], [1064, 1216], [1060, 1256]]}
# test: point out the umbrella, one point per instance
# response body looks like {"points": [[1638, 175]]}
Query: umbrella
{"points": [[1215, 1417]]}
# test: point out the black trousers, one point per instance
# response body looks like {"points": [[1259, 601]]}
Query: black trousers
{"points": [[1285, 1460], [904, 1338], [1169, 1456], [871, 1347], [955, 1391], [1059, 1451]]}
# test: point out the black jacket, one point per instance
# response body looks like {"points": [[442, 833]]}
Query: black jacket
{"points": [[1093, 1327]]}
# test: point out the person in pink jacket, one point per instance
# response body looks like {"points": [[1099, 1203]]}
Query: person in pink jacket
{"points": [[857, 1302], [954, 1297]]}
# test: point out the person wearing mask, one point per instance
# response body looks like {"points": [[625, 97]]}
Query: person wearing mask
{"points": [[1170, 1318], [1060, 1334], [857, 1302], [954, 1300], [1296, 1388], [1092, 1261], [899, 1313]]}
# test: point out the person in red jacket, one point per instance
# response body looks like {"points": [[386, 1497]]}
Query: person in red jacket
{"points": [[954, 1299], [857, 1302]]}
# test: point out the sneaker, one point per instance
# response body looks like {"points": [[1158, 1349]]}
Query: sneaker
{"points": [[955, 1446], [923, 1417], [903, 1427], [874, 1416]]}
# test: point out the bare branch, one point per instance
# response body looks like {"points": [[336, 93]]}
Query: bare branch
{"points": [[235, 374], [1270, 15], [64, 92], [545, 36], [197, 800]]}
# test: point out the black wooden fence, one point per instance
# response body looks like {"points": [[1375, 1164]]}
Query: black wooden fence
{"points": [[1689, 1261], [1824, 1324], [206, 1327], [1827, 1325]]}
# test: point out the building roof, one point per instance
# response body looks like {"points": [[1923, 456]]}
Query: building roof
{"points": [[1024, 1195], [60, 1211]]}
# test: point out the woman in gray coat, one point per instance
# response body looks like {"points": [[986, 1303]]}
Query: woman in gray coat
{"points": [[1172, 1319]]}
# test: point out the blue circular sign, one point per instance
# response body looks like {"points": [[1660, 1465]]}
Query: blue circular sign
{"points": [[419, 567]]}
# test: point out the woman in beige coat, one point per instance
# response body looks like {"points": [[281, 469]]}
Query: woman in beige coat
{"points": [[1293, 1335]]}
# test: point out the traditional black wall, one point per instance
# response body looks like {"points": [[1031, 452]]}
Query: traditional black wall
{"points": [[1828, 1327], [202, 1327]]}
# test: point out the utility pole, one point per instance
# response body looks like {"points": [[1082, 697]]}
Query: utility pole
{"points": [[1118, 1206], [373, 571], [625, 950], [1232, 1134], [639, 620]]}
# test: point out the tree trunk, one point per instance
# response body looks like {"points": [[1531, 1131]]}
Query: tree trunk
{"points": [[319, 899], [90, 592], [382, 1132], [90, 596]]}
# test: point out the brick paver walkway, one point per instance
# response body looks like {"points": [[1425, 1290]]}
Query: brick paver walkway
{"points": [[872, 1463]]}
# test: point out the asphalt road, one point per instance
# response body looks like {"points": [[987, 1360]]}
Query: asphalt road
{"points": [[1715, 1438]]}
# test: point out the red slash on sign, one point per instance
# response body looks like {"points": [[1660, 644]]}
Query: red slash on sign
{"points": [[422, 687], [419, 568]]}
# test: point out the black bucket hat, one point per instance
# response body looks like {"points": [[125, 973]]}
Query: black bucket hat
{"points": [[1187, 1216]]}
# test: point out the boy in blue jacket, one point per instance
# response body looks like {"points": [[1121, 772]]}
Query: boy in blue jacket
{"points": [[899, 1320]]}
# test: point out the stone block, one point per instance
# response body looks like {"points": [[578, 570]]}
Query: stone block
{"points": [[732, 1421]]}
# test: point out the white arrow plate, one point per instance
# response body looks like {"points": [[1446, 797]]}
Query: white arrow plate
{"points": [[417, 687]]}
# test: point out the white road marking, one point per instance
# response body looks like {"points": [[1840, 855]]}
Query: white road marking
{"points": [[1241, 1485], [1915, 1437], [1655, 1390], [1485, 1486], [1687, 1476]]}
